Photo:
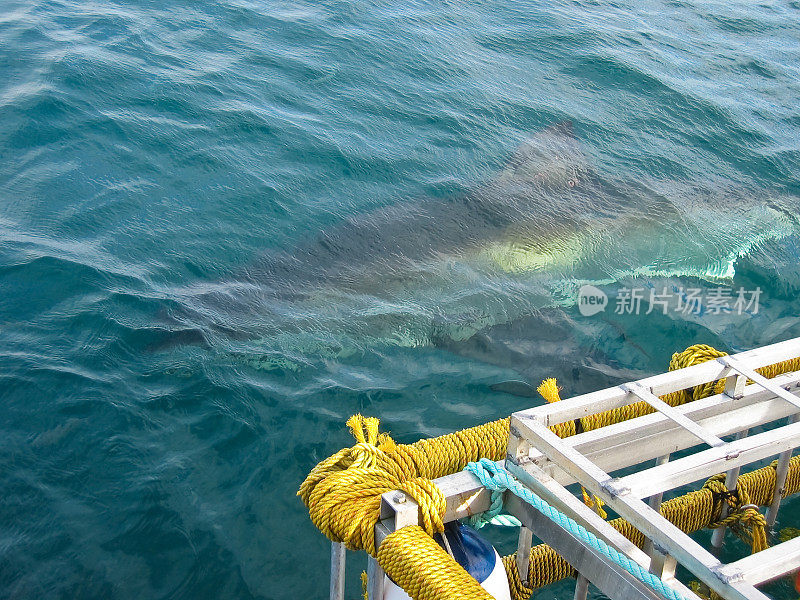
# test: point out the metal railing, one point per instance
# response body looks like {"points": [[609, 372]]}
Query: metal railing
{"points": [[546, 464]]}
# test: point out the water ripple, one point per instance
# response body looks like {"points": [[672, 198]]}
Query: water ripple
{"points": [[227, 226]]}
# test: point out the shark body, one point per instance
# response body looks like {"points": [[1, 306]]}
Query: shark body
{"points": [[395, 243], [438, 271]]}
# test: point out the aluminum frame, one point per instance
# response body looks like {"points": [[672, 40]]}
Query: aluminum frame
{"points": [[546, 464], [588, 459]]}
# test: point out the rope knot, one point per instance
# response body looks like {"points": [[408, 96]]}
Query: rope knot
{"points": [[497, 480], [370, 444], [343, 492], [754, 525], [489, 474], [364, 455], [430, 499], [744, 518]]}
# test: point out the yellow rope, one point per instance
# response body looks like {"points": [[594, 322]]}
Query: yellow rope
{"points": [[418, 565], [702, 590], [343, 492], [365, 585], [788, 533], [748, 523], [518, 588], [691, 512]]}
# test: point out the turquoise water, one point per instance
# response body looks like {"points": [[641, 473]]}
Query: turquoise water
{"points": [[227, 226]]}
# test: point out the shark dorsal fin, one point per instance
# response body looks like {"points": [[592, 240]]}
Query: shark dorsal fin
{"points": [[552, 156]]}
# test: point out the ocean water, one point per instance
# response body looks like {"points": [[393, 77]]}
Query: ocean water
{"points": [[227, 226]]}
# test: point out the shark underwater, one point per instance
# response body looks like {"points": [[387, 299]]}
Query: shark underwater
{"points": [[437, 271]]}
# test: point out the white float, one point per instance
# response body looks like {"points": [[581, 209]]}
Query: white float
{"points": [[475, 554]]}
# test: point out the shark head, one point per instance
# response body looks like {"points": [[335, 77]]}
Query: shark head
{"points": [[552, 158]]}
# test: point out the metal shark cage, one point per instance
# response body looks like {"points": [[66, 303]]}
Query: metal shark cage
{"points": [[545, 464]]}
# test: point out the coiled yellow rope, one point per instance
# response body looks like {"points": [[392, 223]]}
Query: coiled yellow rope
{"points": [[343, 492], [418, 565]]}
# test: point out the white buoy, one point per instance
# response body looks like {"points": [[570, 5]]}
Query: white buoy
{"points": [[475, 554]]}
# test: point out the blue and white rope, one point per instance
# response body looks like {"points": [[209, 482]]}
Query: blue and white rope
{"points": [[496, 478]]}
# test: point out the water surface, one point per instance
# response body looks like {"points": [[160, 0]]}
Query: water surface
{"points": [[165, 387]]}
